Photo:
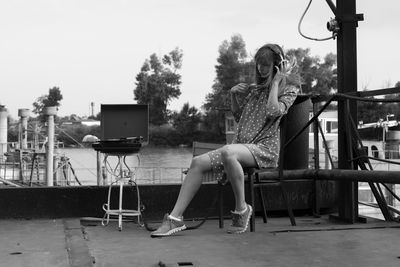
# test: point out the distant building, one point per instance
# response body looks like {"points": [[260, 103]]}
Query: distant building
{"points": [[90, 122], [380, 139]]}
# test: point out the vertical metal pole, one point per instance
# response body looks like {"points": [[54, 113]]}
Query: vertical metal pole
{"points": [[121, 191], [3, 131], [55, 171], [36, 137], [328, 149], [347, 82], [317, 184], [316, 137], [23, 139], [50, 112], [99, 169]]}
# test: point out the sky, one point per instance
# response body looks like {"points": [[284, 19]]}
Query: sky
{"points": [[93, 49]]}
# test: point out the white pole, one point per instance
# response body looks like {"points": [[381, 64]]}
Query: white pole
{"points": [[3, 131], [50, 112], [23, 113]]}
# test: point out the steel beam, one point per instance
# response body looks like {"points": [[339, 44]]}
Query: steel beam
{"points": [[347, 83]]}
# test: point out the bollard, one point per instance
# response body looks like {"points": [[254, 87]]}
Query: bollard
{"points": [[50, 112]]}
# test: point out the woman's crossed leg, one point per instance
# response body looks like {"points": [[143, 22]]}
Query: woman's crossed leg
{"points": [[233, 158]]}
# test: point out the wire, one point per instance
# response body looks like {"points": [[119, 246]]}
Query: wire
{"points": [[64, 132], [301, 21]]}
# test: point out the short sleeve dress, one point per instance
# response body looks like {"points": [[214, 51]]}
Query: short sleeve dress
{"points": [[258, 127]]}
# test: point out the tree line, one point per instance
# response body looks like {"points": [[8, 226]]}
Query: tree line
{"points": [[159, 82], [234, 65]]}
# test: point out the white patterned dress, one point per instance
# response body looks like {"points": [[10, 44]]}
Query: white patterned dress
{"points": [[258, 128]]}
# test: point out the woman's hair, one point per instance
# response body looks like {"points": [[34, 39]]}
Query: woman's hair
{"points": [[274, 53]]}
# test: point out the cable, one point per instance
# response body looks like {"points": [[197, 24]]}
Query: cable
{"points": [[73, 139], [189, 227], [303, 35]]}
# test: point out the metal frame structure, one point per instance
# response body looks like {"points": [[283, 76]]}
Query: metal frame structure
{"points": [[345, 29], [347, 83], [355, 157]]}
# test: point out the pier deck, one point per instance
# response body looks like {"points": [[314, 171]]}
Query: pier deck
{"points": [[314, 242]]}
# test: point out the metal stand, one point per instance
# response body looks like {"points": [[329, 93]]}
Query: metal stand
{"points": [[123, 176]]}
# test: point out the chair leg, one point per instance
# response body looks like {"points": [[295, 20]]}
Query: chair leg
{"points": [[288, 205], [252, 203], [261, 198], [220, 205]]}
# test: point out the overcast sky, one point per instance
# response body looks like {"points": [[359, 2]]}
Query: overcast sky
{"points": [[93, 49]]}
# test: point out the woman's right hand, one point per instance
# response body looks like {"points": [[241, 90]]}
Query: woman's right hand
{"points": [[241, 88]]}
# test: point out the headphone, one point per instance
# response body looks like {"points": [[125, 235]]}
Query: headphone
{"points": [[279, 54], [276, 49]]}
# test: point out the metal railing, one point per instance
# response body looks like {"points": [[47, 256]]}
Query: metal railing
{"points": [[383, 199]]}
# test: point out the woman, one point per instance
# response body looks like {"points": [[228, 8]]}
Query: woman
{"points": [[258, 109]]}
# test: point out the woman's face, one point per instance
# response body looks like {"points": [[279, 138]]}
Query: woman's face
{"points": [[265, 64], [265, 70]]}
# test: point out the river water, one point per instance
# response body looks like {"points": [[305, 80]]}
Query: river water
{"points": [[151, 165]]}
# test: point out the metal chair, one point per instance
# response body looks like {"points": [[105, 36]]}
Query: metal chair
{"points": [[257, 181]]}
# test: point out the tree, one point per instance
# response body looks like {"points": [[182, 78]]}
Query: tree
{"points": [[186, 121], [233, 67], [52, 99], [326, 75], [373, 111], [158, 83], [317, 77]]}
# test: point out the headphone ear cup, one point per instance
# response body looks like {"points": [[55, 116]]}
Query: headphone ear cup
{"points": [[279, 52]]}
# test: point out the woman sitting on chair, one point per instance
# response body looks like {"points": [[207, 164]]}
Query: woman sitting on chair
{"points": [[258, 109]]}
